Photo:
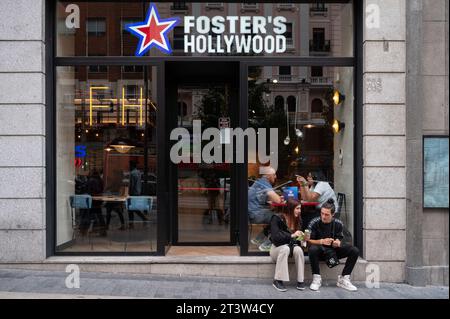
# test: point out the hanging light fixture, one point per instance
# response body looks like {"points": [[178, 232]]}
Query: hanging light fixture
{"points": [[287, 140], [337, 126], [298, 132], [338, 98], [121, 145]]}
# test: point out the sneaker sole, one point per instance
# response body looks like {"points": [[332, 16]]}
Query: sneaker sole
{"points": [[344, 287], [300, 289], [281, 290]]}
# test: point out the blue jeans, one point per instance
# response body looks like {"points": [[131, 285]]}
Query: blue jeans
{"points": [[262, 217]]}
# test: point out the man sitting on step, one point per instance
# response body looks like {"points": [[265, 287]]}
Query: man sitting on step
{"points": [[326, 244]]}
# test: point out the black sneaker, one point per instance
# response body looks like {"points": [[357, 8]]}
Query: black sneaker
{"points": [[300, 285], [278, 284]]}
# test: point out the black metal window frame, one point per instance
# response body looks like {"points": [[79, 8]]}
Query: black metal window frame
{"points": [[52, 61]]}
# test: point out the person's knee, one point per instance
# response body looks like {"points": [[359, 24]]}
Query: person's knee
{"points": [[313, 250], [284, 250], [354, 251], [298, 251]]}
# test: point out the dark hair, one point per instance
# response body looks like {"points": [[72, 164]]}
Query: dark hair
{"points": [[291, 219], [133, 165], [317, 176], [329, 204]]}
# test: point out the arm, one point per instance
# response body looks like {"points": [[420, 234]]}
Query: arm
{"points": [[304, 190], [273, 197], [307, 195], [339, 231], [339, 236], [279, 237], [315, 241]]}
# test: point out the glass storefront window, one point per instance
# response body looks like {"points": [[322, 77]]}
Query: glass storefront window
{"points": [[217, 28], [106, 158], [106, 115], [314, 117]]}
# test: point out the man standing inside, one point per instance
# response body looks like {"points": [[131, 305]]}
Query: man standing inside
{"points": [[326, 244]]}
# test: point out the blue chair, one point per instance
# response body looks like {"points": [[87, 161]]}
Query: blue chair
{"points": [[140, 203], [79, 202]]}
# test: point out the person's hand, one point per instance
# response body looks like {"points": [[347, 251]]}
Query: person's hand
{"points": [[336, 243], [301, 179], [327, 241], [297, 234]]}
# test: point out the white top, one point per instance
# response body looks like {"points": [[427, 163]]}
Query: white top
{"points": [[325, 193]]}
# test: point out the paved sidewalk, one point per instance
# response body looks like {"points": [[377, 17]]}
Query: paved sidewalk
{"points": [[45, 284]]}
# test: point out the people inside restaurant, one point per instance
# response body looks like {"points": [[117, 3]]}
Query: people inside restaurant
{"points": [[260, 195]]}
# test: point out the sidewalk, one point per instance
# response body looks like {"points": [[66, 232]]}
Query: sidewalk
{"points": [[26, 284]]}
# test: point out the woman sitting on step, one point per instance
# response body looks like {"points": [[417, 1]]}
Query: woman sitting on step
{"points": [[285, 231]]}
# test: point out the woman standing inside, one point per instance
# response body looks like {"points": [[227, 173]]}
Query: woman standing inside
{"points": [[285, 229]]}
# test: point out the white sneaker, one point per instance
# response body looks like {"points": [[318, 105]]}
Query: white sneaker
{"points": [[344, 282], [316, 283]]}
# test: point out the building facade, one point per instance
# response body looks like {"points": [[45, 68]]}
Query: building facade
{"points": [[82, 118]]}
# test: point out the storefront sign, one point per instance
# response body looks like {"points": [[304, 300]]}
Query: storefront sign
{"points": [[124, 104], [219, 34], [244, 34], [153, 32]]}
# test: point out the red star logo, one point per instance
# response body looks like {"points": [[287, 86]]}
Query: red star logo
{"points": [[153, 32]]}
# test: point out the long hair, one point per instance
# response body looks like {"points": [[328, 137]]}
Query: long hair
{"points": [[292, 221]]}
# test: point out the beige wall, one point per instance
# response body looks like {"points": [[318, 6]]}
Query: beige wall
{"points": [[384, 139], [434, 66]]}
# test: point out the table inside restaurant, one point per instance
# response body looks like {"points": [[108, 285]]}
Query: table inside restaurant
{"points": [[110, 198]]}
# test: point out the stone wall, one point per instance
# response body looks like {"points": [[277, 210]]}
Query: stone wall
{"points": [[22, 131], [427, 105], [384, 140]]}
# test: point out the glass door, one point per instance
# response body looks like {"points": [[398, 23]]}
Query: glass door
{"points": [[203, 214]]}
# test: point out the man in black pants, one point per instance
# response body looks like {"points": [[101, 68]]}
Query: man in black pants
{"points": [[325, 243]]}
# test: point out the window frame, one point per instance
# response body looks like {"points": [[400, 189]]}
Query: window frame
{"points": [[52, 61]]}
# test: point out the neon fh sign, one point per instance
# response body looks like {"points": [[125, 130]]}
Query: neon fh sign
{"points": [[217, 35]]}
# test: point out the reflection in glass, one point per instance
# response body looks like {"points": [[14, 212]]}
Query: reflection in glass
{"points": [[106, 165], [301, 106]]}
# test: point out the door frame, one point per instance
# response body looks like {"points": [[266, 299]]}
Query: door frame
{"points": [[171, 86]]}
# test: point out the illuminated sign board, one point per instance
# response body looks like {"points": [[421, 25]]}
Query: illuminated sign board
{"points": [[218, 34]]}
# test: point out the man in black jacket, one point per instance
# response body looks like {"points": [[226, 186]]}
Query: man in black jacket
{"points": [[326, 244]]}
